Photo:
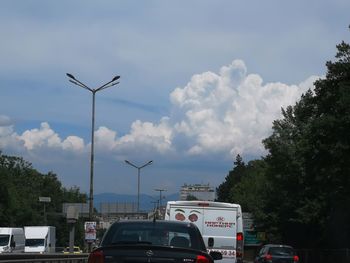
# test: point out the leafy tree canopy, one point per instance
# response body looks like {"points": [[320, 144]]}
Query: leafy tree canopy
{"points": [[20, 189], [300, 192], [308, 162]]}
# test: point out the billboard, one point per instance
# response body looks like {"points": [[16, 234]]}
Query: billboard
{"points": [[90, 231]]}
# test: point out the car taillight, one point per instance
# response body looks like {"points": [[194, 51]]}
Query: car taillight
{"points": [[239, 248], [268, 257], [202, 259], [96, 257], [296, 258]]}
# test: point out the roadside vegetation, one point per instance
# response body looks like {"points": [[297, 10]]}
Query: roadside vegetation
{"points": [[300, 192], [20, 189]]}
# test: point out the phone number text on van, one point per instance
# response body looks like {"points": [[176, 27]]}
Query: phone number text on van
{"points": [[219, 224]]}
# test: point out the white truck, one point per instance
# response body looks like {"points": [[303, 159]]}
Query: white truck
{"points": [[11, 240], [221, 225], [40, 239]]}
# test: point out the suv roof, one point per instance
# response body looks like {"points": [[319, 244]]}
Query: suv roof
{"points": [[156, 222], [277, 245]]}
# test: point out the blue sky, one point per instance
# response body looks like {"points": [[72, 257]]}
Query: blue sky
{"points": [[201, 81]]}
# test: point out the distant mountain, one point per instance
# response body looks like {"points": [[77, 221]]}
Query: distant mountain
{"points": [[147, 202]]}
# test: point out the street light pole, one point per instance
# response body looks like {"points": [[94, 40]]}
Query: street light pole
{"points": [[160, 195], [138, 179], [93, 91]]}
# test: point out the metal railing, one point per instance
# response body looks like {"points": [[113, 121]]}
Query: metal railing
{"points": [[44, 258]]}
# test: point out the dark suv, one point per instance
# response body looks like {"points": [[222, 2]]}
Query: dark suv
{"points": [[276, 254], [153, 241]]}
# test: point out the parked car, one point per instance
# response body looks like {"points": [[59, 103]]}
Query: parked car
{"points": [[76, 250], [272, 253], [152, 241]]}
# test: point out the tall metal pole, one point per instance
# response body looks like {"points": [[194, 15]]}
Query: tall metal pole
{"points": [[93, 91], [91, 195], [45, 217], [138, 189], [138, 179], [45, 199], [160, 198]]}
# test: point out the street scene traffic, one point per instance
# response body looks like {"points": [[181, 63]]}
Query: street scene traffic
{"points": [[193, 131]]}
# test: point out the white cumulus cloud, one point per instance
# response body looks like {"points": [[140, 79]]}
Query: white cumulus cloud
{"points": [[73, 143], [46, 138], [231, 111], [149, 135], [8, 137], [228, 112]]}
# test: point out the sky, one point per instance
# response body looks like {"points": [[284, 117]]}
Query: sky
{"points": [[200, 82]]}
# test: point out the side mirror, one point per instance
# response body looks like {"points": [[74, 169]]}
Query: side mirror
{"points": [[215, 255], [13, 244], [210, 242], [94, 247]]}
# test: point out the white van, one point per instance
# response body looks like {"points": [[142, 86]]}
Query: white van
{"points": [[221, 225], [40, 239], [11, 240]]}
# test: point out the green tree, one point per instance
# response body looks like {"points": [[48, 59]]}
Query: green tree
{"points": [[232, 179], [328, 157], [308, 163], [20, 189], [250, 192]]}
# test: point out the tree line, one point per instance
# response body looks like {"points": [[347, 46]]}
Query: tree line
{"points": [[20, 188], [299, 192]]}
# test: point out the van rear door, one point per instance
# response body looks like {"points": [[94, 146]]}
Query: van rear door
{"points": [[220, 225]]}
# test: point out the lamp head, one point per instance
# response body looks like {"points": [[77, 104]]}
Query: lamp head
{"points": [[70, 76], [116, 78]]}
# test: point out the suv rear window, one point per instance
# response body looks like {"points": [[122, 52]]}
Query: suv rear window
{"points": [[154, 234], [281, 251]]}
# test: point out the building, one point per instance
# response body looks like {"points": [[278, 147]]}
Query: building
{"points": [[202, 192]]}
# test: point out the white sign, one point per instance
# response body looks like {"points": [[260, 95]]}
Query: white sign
{"points": [[90, 231], [44, 199], [248, 222]]}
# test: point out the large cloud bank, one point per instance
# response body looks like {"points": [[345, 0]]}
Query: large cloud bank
{"points": [[232, 111], [225, 113]]}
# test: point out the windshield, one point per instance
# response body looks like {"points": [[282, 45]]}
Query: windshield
{"points": [[35, 242], [4, 240]]}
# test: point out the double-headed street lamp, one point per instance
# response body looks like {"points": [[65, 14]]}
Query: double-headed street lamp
{"points": [[138, 180], [93, 91]]}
